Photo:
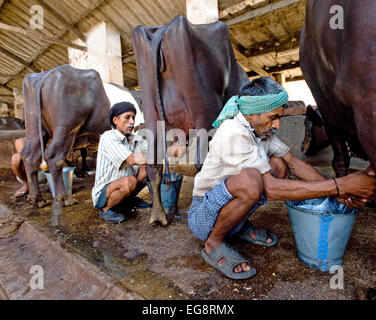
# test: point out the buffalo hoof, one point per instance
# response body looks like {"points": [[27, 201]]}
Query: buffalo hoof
{"points": [[66, 202], [37, 203], [69, 202], [158, 217], [81, 174]]}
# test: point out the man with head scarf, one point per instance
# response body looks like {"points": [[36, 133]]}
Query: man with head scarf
{"points": [[121, 165], [247, 165]]}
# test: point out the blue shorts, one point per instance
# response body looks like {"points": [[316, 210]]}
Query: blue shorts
{"points": [[102, 201], [204, 211]]}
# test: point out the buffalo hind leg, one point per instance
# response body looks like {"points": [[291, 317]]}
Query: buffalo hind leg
{"points": [[157, 211], [31, 155], [56, 154], [341, 160]]}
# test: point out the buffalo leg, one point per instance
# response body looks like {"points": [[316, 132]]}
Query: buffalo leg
{"points": [[341, 160], [157, 212], [31, 155], [84, 166], [154, 171], [79, 171], [56, 154]]}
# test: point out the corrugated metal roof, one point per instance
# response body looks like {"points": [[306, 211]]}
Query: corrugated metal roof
{"points": [[20, 54]]}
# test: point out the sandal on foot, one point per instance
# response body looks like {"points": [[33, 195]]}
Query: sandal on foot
{"points": [[233, 258], [111, 216], [262, 235]]}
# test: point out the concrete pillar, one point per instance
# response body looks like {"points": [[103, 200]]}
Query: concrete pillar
{"points": [[103, 55], [18, 103], [202, 11]]}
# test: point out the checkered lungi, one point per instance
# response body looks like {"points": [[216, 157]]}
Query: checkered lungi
{"points": [[204, 211]]}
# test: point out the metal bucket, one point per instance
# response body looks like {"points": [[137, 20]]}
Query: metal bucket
{"points": [[322, 228], [41, 178], [67, 178], [169, 192]]}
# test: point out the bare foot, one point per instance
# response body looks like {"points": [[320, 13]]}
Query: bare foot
{"points": [[22, 191], [253, 236], [243, 267]]}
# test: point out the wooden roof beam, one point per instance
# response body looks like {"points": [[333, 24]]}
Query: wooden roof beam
{"points": [[17, 59], [129, 57], [297, 78], [275, 69], [13, 76], [86, 12], [248, 64], [36, 34], [259, 12], [265, 48], [9, 89], [61, 19], [81, 16]]}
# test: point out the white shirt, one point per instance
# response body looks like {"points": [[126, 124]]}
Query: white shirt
{"points": [[113, 149], [233, 148]]}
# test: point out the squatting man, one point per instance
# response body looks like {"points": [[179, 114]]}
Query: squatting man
{"points": [[121, 165], [247, 165]]}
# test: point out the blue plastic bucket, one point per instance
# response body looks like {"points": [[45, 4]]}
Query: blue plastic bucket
{"points": [[67, 178], [322, 228], [169, 192]]}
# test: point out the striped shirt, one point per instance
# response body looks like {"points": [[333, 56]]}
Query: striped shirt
{"points": [[113, 149]]}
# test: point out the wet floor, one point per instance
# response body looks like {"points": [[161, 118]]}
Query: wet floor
{"points": [[164, 262]]}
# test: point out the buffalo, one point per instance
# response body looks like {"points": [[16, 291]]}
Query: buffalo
{"points": [[338, 62], [186, 74], [69, 107]]}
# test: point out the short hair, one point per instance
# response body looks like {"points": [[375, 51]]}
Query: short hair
{"points": [[260, 87]]}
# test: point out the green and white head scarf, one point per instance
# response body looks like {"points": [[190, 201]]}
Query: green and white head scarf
{"points": [[248, 105]]}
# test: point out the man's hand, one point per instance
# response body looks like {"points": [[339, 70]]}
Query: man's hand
{"points": [[352, 202], [140, 158], [136, 159], [359, 184]]}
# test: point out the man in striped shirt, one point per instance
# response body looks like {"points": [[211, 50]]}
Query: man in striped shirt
{"points": [[121, 164]]}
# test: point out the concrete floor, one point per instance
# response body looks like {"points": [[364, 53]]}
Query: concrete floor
{"points": [[86, 258]]}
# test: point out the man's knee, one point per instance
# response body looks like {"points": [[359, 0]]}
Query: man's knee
{"points": [[128, 185], [19, 144], [251, 184], [16, 159]]}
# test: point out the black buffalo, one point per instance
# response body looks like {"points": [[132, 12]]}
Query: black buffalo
{"points": [[186, 73], [69, 107], [339, 66]]}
